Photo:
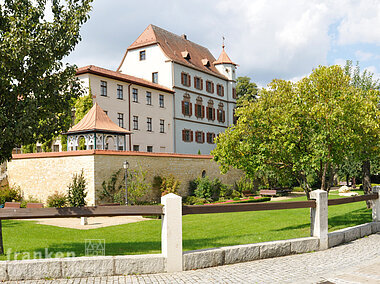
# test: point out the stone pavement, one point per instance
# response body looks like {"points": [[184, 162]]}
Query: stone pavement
{"points": [[355, 262]]}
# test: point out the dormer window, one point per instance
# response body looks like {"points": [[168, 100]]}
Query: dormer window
{"points": [[206, 62], [185, 54]]}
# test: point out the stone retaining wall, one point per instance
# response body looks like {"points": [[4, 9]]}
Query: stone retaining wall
{"points": [[156, 263]]}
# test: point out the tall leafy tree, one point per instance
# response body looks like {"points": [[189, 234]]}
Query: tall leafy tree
{"points": [[366, 82], [301, 129], [36, 88], [245, 88]]}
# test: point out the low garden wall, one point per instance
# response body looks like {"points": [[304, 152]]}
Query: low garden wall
{"points": [[41, 174], [156, 263]]}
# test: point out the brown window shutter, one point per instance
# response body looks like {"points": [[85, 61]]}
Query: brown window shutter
{"points": [[191, 135], [207, 112], [222, 94], [234, 93], [195, 83], [201, 84], [203, 111], [203, 137], [183, 107], [224, 116], [191, 109], [182, 78], [213, 114], [212, 87], [189, 81], [217, 115], [183, 135]]}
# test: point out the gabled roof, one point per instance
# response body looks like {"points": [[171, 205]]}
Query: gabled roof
{"points": [[96, 120], [224, 59], [173, 46], [121, 77]]}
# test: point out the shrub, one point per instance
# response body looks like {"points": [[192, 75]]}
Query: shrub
{"points": [[235, 194], [192, 200], [57, 200], [236, 198], [261, 199], [210, 189], [169, 185], [137, 185], [244, 184], [9, 194], [113, 189], [30, 199], [77, 191]]}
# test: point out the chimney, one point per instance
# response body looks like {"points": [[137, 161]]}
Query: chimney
{"points": [[184, 36]]}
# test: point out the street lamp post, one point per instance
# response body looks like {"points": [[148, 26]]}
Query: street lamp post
{"points": [[126, 166]]}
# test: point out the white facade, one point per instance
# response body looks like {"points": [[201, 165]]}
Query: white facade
{"points": [[169, 75], [158, 137]]}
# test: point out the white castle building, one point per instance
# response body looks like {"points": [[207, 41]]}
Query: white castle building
{"points": [[171, 93]]}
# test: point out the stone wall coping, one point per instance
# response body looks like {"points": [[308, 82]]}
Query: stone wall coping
{"points": [[105, 152]]}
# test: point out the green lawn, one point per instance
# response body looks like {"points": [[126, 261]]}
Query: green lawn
{"points": [[199, 231]]}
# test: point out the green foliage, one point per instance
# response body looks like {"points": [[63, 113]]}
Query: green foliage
{"points": [[82, 105], [113, 188], [209, 189], [245, 89], [10, 193], [63, 139], [244, 184], [298, 129], [137, 185], [57, 200], [77, 191], [254, 200], [46, 146], [31, 148], [36, 87], [193, 200], [30, 199], [169, 184]]}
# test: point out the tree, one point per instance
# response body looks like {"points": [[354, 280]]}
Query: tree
{"points": [[365, 82], [246, 89], [300, 129], [76, 195], [36, 87]]}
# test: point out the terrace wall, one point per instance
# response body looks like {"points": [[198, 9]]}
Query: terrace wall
{"points": [[40, 174]]}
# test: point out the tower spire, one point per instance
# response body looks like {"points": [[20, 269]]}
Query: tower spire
{"points": [[223, 42]]}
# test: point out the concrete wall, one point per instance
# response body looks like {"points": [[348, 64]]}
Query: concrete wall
{"points": [[40, 174]]}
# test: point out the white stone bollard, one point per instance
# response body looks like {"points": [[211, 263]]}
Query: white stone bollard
{"points": [[83, 221], [319, 218], [171, 232], [376, 205]]}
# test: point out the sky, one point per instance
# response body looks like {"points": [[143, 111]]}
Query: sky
{"points": [[269, 39]]}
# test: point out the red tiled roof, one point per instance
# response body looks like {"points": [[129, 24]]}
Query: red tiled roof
{"points": [[97, 120], [173, 46], [121, 77], [223, 58]]}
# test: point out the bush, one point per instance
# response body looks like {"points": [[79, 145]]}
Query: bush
{"points": [[169, 184], [236, 198], [57, 200], [77, 191], [261, 199], [113, 189], [235, 194], [9, 194], [244, 184], [137, 185], [193, 200], [30, 199], [210, 189]]}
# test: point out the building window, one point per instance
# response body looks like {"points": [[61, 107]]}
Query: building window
{"points": [[55, 148], [135, 95], [135, 122], [149, 148], [120, 92], [220, 90], [155, 77], [149, 124], [162, 126], [103, 88], [199, 108], [234, 93], [106, 112], [148, 98], [221, 114], [142, 55], [185, 79], [187, 135], [186, 108], [209, 86], [199, 136], [210, 137], [120, 118], [198, 83], [161, 100], [136, 148], [210, 113]]}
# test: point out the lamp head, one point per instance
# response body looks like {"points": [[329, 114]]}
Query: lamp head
{"points": [[126, 165]]}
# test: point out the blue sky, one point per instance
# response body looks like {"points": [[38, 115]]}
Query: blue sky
{"points": [[267, 38]]}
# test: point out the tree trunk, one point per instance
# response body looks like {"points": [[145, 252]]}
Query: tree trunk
{"points": [[353, 183], [366, 167], [347, 179], [1, 239], [323, 179]]}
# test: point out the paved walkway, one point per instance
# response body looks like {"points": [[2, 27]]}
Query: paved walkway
{"points": [[355, 262]]}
